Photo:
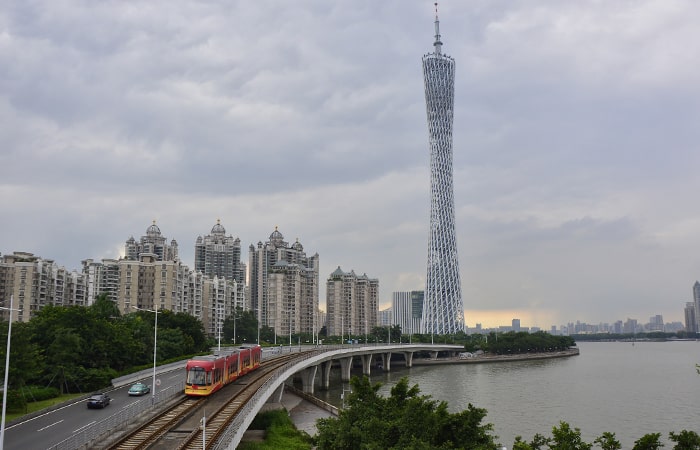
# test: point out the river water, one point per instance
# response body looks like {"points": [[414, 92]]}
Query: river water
{"points": [[629, 389]]}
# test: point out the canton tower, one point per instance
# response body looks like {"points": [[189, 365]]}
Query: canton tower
{"points": [[443, 310]]}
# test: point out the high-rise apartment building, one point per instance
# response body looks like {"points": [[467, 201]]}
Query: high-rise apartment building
{"points": [[352, 303], [35, 282], [385, 317], [151, 277], [153, 242], [696, 301], [691, 323], [283, 284], [219, 255], [656, 323], [443, 311], [407, 310]]}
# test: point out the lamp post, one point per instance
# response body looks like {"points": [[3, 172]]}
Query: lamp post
{"points": [[234, 326], [258, 320], [155, 350], [7, 371], [290, 330]]}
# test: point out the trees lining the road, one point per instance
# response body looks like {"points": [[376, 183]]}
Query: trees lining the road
{"points": [[81, 349]]}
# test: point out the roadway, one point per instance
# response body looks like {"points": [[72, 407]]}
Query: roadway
{"points": [[49, 429]]}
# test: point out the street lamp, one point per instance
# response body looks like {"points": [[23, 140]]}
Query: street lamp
{"points": [[258, 310], [155, 349], [7, 371], [289, 322], [235, 311]]}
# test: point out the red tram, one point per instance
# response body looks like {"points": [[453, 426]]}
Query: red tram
{"points": [[207, 374]]}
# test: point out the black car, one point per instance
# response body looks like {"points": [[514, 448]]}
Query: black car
{"points": [[98, 401]]}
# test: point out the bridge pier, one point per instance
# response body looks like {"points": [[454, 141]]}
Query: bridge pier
{"points": [[409, 359], [308, 376], [433, 355], [366, 364], [276, 396], [345, 366], [326, 374], [386, 361]]}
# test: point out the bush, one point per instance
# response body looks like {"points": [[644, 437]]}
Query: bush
{"points": [[16, 401], [37, 393]]}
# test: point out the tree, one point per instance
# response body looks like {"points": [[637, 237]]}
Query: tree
{"points": [[607, 441], [685, 440], [404, 420], [538, 443], [650, 441], [26, 360], [564, 438], [246, 326], [267, 334]]}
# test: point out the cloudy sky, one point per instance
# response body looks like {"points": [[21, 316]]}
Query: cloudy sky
{"points": [[575, 140]]}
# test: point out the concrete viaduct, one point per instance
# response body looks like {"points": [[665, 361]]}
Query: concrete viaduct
{"points": [[309, 364]]}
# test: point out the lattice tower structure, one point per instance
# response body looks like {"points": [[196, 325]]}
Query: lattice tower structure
{"points": [[443, 311]]}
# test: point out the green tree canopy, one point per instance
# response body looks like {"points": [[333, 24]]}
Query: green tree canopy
{"points": [[404, 420]]}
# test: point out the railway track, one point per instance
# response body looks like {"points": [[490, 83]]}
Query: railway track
{"points": [[151, 432], [218, 422]]}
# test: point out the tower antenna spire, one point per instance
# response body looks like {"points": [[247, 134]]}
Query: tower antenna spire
{"points": [[438, 43]]}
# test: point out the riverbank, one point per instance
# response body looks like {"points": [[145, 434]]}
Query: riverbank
{"points": [[486, 358]]}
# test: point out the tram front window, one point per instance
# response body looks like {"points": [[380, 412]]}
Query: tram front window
{"points": [[197, 376]]}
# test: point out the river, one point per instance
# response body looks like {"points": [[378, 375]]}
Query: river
{"points": [[629, 389]]}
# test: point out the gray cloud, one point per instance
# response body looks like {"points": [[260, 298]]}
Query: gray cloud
{"points": [[575, 140]]}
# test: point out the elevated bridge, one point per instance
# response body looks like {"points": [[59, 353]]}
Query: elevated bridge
{"points": [[317, 361]]}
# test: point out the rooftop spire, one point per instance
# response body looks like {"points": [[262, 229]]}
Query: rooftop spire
{"points": [[437, 44]]}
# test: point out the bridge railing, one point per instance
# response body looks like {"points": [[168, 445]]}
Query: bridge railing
{"points": [[227, 438]]}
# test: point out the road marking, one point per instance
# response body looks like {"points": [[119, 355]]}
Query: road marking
{"points": [[84, 426], [49, 426]]}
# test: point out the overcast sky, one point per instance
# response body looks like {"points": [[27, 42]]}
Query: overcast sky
{"points": [[575, 141]]}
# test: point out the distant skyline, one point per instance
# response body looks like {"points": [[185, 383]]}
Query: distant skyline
{"points": [[575, 141]]}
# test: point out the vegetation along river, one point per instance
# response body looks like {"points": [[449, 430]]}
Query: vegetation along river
{"points": [[629, 389]]}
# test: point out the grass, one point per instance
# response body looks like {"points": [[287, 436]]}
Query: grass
{"points": [[38, 406], [281, 433]]}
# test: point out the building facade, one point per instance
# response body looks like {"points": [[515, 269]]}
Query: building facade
{"points": [[407, 308], [691, 323], [31, 282], [218, 255], [283, 286], [153, 242], [352, 303], [696, 302], [443, 312]]}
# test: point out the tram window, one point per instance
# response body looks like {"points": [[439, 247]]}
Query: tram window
{"points": [[196, 376]]}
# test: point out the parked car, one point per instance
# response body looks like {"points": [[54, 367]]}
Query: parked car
{"points": [[139, 389], [98, 401]]}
